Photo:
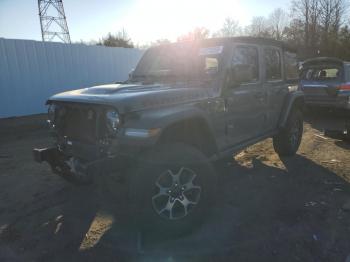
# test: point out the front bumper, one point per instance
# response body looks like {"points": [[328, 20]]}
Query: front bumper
{"points": [[74, 170]]}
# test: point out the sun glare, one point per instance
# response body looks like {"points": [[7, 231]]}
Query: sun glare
{"points": [[155, 19]]}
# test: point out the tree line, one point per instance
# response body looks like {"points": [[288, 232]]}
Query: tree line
{"points": [[313, 27]]}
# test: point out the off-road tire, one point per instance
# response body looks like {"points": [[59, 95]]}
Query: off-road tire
{"points": [[143, 191], [287, 141]]}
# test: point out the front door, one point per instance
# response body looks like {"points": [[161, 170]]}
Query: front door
{"points": [[246, 103]]}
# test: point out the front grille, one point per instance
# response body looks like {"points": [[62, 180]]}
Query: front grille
{"points": [[77, 123]]}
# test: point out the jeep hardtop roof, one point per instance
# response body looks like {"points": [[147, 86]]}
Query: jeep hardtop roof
{"points": [[243, 39], [252, 40], [324, 61]]}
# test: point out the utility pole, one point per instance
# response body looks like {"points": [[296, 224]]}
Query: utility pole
{"points": [[53, 21]]}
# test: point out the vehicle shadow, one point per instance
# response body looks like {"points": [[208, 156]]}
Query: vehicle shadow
{"points": [[331, 124], [262, 213], [327, 120]]}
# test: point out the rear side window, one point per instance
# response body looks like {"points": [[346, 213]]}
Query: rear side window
{"points": [[247, 57], [291, 65], [322, 74], [211, 64], [273, 64]]}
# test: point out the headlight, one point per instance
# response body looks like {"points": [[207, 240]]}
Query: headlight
{"points": [[113, 120]]}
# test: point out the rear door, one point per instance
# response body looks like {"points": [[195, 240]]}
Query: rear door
{"points": [[274, 84]]}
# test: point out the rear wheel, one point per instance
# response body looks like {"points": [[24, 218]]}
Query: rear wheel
{"points": [[172, 189], [287, 141]]}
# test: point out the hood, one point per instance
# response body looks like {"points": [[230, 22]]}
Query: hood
{"points": [[135, 97]]}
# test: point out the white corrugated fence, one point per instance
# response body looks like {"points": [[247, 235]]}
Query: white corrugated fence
{"points": [[32, 71]]}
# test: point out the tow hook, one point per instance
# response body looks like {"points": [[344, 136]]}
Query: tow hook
{"points": [[71, 169]]}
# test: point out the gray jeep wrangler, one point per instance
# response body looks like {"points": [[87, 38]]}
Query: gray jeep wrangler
{"points": [[184, 106]]}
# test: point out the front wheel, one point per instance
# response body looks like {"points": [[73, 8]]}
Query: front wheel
{"points": [[287, 141], [172, 189]]}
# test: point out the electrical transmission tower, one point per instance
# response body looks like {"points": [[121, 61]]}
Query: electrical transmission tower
{"points": [[53, 21]]}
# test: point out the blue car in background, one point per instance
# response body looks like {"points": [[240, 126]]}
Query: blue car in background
{"points": [[326, 83]]}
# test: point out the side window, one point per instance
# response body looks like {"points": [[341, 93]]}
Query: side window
{"points": [[291, 65], [211, 64], [273, 64], [246, 59]]}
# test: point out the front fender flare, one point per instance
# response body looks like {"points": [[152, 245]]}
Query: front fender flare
{"points": [[166, 117], [293, 99]]}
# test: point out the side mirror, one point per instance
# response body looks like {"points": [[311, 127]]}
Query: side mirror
{"points": [[131, 73]]}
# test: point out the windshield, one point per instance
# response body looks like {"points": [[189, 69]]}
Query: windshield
{"points": [[181, 60]]}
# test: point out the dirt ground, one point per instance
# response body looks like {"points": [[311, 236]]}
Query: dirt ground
{"points": [[269, 209]]}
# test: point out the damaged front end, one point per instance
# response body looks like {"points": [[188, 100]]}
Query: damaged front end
{"points": [[69, 168], [85, 136]]}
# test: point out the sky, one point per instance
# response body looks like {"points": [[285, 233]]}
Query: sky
{"points": [[144, 20]]}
